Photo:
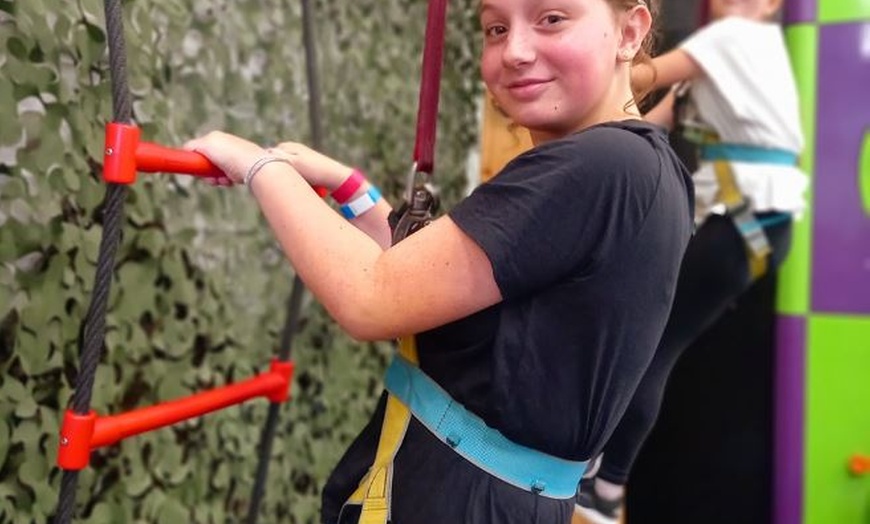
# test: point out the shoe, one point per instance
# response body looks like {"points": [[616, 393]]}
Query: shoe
{"points": [[594, 509]]}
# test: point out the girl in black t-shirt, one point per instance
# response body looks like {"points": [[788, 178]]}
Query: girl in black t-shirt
{"points": [[536, 303]]}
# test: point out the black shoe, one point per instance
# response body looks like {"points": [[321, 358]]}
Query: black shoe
{"points": [[592, 507]]}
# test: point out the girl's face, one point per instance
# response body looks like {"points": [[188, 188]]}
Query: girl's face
{"points": [[751, 9], [551, 64]]}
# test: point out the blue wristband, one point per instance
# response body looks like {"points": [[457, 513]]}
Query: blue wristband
{"points": [[361, 204]]}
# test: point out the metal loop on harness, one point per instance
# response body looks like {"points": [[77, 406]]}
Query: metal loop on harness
{"points": [[420, 206]]}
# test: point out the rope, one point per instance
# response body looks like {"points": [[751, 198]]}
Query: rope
{"points": [[113, 217], [121, 98], [294, 303], [430, 86], [95, 321], [267, 437], [313, 75]]}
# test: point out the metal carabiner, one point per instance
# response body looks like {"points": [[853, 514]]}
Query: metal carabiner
{"points": [[420, 206]]}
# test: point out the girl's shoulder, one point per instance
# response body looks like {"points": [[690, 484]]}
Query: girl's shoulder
{"points": [[632, 143], [606, 153], [603, 139]]}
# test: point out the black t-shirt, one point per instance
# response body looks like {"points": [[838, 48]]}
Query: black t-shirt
{"points": [[585, 235]]}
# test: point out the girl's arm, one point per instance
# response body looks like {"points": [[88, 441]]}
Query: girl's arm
{"points": [[321, 170], [435, 276], [666, 70]]}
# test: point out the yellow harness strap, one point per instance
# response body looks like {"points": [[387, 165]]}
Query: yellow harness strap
{"points": [[375, 488], [757, 247]]}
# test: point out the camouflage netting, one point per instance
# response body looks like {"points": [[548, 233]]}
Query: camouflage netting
{"points": [[200, 286]]}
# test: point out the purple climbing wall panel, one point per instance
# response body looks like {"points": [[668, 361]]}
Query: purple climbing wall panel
{"points": [[841, 228]]}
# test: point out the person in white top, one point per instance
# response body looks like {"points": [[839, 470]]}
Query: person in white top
{"points": [[746, 94], [734, 87]]}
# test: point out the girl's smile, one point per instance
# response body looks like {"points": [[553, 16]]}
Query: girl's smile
{"points": [[528, 89]]}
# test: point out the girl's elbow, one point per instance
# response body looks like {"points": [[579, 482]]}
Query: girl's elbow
{"points": [[362, 332], [363, 325]]}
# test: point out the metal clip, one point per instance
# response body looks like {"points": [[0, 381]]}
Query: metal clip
{"points": [[420, 206]]}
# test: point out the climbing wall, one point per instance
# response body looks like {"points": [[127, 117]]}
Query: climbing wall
{"points": [[823, 330]]}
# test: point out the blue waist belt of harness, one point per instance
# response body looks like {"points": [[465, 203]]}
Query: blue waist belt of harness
{"points": [[478, 443], [748, 154]]}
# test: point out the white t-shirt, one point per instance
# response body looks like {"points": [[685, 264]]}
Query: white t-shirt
{"points": [[748, 96]]}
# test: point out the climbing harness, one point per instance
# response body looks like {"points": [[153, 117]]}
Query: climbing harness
{"points": [[468, 435], [411, 391], [418, 209], [374, 490], [738, 206], [722, 155]]}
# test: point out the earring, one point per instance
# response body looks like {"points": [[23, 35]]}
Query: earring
{"points": [[625, 56]]}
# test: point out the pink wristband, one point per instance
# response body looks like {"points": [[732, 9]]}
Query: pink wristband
{"points": [[347, 188]]}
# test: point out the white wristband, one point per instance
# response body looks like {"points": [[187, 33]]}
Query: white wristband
{"points": [[258, 165], [361, 204]]}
